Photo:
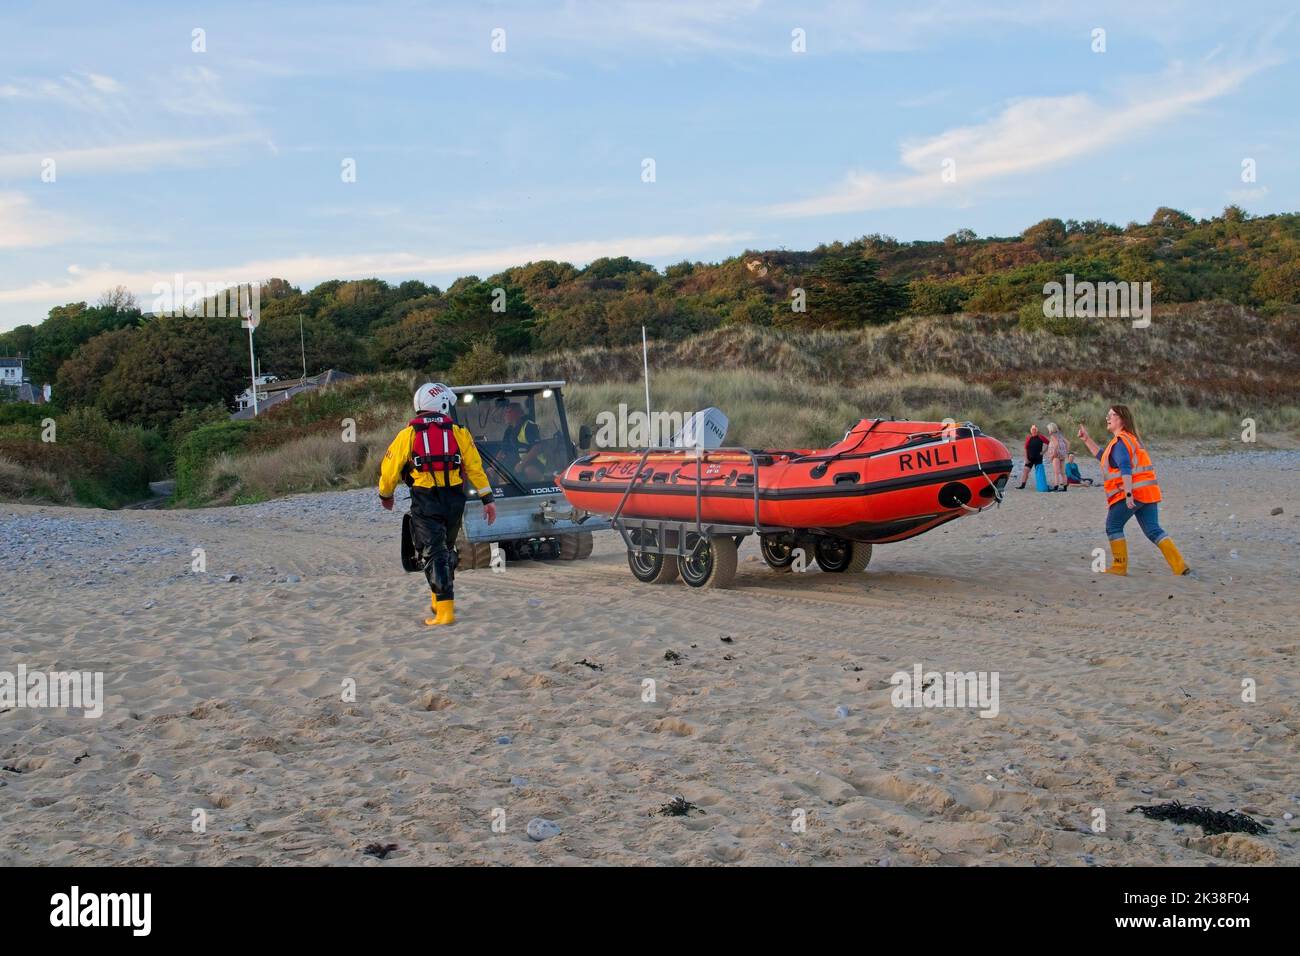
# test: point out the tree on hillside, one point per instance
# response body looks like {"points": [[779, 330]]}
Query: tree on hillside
{"points": [[67, 328], [1278, 284], [411, 343], [481, 365], [280, 346], [845, 292], [18, 340], [173, 364], [355, 306], [471, 314], [80, 379], [538, 276], [276, 289], [118, 299], [607, 268], [1172, 218], [1048, 232]]}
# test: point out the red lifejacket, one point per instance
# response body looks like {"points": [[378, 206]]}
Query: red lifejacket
{"points": [[434, 446]]}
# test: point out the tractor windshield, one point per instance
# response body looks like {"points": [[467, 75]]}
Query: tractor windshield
{"points": [[521, 435]]}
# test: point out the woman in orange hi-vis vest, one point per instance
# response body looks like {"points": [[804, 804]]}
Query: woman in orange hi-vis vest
{"points": [[1131, 490]]}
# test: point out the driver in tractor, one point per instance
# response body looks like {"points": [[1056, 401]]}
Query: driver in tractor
{"points": [[522, 441], [435, 457]]}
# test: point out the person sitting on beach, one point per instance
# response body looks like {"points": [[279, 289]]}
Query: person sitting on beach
{"points": [[1072, 475], [1131, 490], [1034, 445]]}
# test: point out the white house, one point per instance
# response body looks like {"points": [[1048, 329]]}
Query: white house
{"points": [[245, 398], [11, 371]]}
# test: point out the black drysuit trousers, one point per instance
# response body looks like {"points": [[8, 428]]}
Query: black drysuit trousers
{"points": [[436, 515]]}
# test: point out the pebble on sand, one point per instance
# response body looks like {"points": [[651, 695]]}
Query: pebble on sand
{"points": [[503, 739], [841, 711], [539, 829], [1276, 511]]}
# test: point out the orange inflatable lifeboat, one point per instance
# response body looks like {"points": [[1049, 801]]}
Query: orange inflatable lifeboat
{"points": [[884, 481]]}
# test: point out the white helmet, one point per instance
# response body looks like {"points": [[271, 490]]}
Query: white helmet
{"points": [[434, 397]]}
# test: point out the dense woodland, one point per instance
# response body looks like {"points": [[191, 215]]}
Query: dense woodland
{"points": [[135, 367]]}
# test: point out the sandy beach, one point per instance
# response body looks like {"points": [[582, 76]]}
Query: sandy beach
{"points": [[227, 695]]}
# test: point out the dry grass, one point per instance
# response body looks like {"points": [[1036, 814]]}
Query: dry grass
{"points": [[19, 482], [315, 462], [1207, 356]]}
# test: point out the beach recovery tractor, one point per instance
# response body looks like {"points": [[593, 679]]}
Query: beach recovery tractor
{"points": [[522, 434]]}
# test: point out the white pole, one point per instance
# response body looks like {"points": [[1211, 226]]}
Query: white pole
{"points": [[249, 323], [252, 367], [645, 365]]}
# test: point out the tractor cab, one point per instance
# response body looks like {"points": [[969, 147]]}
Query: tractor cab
{"points": [[522, 435]]}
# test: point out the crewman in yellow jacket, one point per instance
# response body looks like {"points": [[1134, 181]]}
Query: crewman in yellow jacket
{"points": [[434, 457]]}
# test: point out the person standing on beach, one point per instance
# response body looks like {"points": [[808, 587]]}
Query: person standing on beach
{"points": [[1131, 490], [1057, 449], [434, 457], [1033, 453]]}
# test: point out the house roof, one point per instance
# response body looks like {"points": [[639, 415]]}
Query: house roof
{"points": [[11, 362]]}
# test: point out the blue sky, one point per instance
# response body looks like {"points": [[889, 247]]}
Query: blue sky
{"points": [[225, 165]]}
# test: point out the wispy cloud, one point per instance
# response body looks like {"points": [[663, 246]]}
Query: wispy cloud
{"points": [[126, 157], [199, 91], [85, 92], [1028, 135], [24, 226]]}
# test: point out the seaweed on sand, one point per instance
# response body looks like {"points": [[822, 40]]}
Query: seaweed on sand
{"points": [[1210, 821]]}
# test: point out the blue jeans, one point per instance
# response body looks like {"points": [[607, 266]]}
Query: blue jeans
{"points": [[1148, 516]]}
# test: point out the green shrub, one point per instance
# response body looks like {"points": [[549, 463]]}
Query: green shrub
{"points": [[101, 464], [22, 413], [481, 365], [200, 447]]}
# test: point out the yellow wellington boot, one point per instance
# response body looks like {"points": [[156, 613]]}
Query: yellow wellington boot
{"points": [[446, 612], [1170, 551], [1119, 557], [433, 606]]}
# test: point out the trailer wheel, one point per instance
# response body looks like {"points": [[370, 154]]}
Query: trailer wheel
{"points": [[778, 555], [575, 547], [838, 556], [708, 563], [650, 566], [473, 555]]}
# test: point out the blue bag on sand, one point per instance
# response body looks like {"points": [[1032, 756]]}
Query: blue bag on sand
{"points": [[1040, 477]]}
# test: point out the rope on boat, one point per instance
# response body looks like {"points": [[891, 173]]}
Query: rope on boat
{"points": [[997, 492]]}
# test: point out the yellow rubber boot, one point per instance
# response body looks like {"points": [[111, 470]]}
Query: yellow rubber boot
{"points": [[1119, 557], [1170, 551], [446, 612], [433, 606]]}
